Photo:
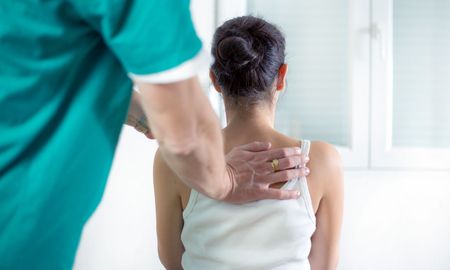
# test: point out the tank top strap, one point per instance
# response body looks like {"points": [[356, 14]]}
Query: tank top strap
{"points": [[305, 146], [303, 184]]}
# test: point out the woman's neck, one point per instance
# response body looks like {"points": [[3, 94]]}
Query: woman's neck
{"points": [[254, 123]]}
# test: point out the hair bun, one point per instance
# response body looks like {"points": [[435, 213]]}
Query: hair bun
{"points": [[235, 52], [248, 53]]}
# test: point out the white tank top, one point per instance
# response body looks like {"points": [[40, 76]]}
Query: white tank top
{"points": [[267, 234]]}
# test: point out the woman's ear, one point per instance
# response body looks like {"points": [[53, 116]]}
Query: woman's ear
{"points": [[214, 81], [281, 80]]}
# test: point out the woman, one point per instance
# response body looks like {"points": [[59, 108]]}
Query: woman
{"points": [[196, 232]]}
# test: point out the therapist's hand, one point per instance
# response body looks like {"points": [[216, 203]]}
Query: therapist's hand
{"points": [[251, 174], [140, 126], [136, 116]]}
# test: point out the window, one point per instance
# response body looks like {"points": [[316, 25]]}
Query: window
{"points": [[421, 73], [411, 83], [368, 76]]}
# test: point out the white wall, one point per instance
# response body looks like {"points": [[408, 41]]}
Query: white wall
{"points": [[122, 233], [396, 220]]}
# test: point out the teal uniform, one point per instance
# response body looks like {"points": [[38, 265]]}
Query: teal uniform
{"points": [[64, 95]]}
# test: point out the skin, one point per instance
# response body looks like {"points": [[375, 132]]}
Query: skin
{"points": [[187, 130], [136, 116], [325, 183]]}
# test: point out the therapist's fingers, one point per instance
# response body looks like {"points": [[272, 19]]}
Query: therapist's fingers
{"points": [[278, 153], [283, 164], [292, 162], [140, 126], [250, 177], [281, 176]]}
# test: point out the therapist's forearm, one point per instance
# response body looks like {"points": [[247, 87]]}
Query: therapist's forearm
{"points": [[188, 133]]}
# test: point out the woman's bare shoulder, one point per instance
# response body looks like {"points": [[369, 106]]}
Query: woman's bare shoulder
{"points": [[326, 154], [163, 176], [167, 178], [325, 165]]}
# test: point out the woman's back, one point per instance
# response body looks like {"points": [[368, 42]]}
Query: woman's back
{"points": [[267, 234]]}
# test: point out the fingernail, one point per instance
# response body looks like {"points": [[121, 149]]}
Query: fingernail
{"points": [[306, 170], [298, 150], [297, 194], [306, 159]]}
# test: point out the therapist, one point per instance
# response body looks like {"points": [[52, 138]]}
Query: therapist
{"points": [[65, 88]]}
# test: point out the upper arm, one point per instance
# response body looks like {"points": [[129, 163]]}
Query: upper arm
{"points": [[177, 112], [156, 43], [325, 241], [146, 36], [169, 217]]}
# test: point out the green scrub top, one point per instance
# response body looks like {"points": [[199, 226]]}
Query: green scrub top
{"points": [[64, 95]]}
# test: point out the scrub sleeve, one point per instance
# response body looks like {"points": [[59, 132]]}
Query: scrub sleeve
{"points": [[65, 89]]}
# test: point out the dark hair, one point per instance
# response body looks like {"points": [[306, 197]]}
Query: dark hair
{"points": [[248, 53]]}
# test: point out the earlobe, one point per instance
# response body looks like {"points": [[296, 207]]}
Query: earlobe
{"points": [[281, 80], [214, 81]]}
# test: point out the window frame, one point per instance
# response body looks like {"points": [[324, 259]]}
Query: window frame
{"points": [[383, 153]]}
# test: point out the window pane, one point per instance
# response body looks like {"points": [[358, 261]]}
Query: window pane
{"points": [[316, 102], [421, 73]]}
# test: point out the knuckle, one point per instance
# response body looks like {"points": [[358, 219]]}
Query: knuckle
{"points": [[257, 178], [300, 159], [290, 175], [293, 174], [305, 159], [268, 168], [285, 175], [283, 196], [254, 156], [268, 179], [264, 180], [272, 194], [258, 144], [305, 171], [260, 169], [292, 162]]}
